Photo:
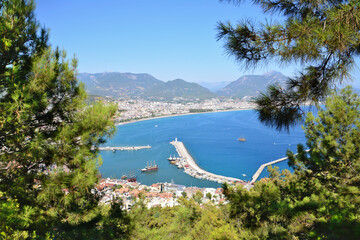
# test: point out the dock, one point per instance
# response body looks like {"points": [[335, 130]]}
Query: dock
{"points": [[135, 148], [191, 167]]}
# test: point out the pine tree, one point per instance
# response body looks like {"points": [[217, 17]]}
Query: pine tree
{"points": [[320, 199], [48, 135], [322, 36]]}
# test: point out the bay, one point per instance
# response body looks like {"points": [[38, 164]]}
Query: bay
{"points": [[211, 138]]}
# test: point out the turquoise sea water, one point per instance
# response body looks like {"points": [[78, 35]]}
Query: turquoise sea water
{"points": [[211, 139]]}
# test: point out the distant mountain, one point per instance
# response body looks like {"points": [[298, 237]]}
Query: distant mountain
{"points": [[214, 86], [117, 84], [250, 85], [179, 88]]}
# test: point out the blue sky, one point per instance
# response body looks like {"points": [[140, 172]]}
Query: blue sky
{"points": [[168, 39]]}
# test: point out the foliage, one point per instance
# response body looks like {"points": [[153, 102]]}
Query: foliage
{"points": [[323, 36], [48, 137], [318, 201], [187, 221]]}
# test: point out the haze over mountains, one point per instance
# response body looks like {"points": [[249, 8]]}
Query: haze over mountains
{"points": [[144, 85], [250, 85]]}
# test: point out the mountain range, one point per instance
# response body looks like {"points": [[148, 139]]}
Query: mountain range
{"points": [[115, 84], [251, 85]]}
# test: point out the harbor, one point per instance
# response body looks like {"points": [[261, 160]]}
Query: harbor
{"points": [[186, 161], [135, 148]]}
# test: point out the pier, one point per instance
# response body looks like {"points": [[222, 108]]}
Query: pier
{"points": [[124, 148], [191, 168], [261, 168]]}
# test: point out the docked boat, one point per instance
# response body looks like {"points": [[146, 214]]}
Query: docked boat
{"points": [[150, 167], [123, 177], [131, 177], [241, 139], [172, 162], [171, 158]]}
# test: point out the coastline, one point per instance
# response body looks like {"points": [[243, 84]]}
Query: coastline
{"points": [[183, 114]]}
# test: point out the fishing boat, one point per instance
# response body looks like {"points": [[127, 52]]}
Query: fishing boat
{"points": [[171, 158], [150, 167], [241, 139]]}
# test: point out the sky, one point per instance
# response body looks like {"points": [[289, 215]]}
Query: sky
{"points": [[168, 39]]}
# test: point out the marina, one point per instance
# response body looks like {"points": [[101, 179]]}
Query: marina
{"points": [[124, 148], [190, 167]]}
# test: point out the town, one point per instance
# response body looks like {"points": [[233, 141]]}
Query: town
{"points": [[137, 109], [158, 194]]}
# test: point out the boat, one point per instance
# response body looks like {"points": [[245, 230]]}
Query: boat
{"points": [[132, 177], [171, 158], [241, 139], [123, 177], [151, 167], [172, 162], [244, 175]]}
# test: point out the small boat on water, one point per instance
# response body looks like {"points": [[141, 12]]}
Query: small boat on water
{"points": [[151, 167], [171, 158], [172, 162], [123, 177], [241, 139]]}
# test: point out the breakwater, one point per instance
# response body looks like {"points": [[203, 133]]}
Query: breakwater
{"points": [[190, 166], [124, 148], [261, 168]]}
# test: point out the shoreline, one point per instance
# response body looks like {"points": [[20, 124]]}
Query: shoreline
{"points": [[176, 115]]}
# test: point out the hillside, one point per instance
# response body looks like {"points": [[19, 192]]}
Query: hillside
{"points": [[116, 84], [179, 88], [250, 85]]}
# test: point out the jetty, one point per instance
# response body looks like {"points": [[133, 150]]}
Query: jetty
{"points": [[124, 148], [261, 168], [190, 166]]}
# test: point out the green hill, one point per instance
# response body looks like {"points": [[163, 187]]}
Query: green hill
{"points": [[116, 84]]}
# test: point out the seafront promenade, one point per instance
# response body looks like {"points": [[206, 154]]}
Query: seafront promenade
{"points": [[191, 168], [124, 148]]}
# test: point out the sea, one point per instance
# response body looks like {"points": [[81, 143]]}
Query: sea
{"points": [[211, 139]]}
